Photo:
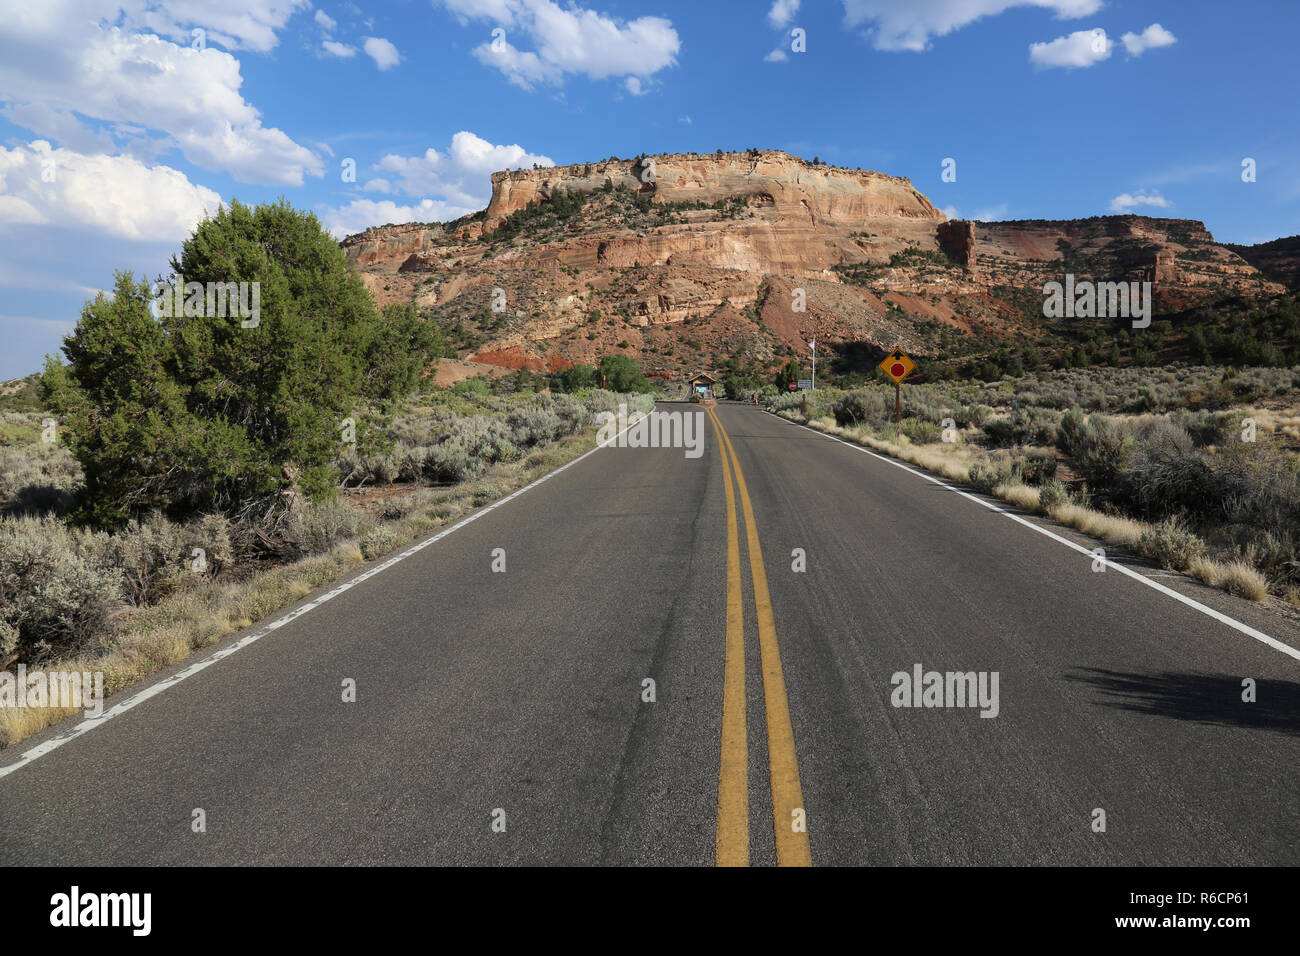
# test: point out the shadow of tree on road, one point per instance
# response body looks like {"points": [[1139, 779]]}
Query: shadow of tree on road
{"points": [[1204, 698]]}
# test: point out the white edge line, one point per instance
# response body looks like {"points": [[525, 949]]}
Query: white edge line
{"points": [[1155, 585], [138, 698]]}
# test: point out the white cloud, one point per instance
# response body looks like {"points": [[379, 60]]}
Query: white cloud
{"points": [[1080, 49], [234, 24], [1126, 201], [522, 68], [569, 40], [382, 52], [462, 174], [502, 11], [341, 50], [912, 25], [633, 84], [459, 178], [360, 214], [685, 119], [776, 56], [782, 13], [1149, 39], [327, 22], [15, 211], [110, 195], [72, 70]]}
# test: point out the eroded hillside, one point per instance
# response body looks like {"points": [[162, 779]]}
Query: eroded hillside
{"points": [[685, 260]]}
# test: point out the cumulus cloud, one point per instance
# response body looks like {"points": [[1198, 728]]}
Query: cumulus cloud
{"points": [[360, 214], [111, 195], [1126, 201], [568, 40], [340, 50], [524, 69], [1080, 49], [459, 179], [1149, 39], [74, 71], [782, 13], [234, 24], [382, 52], [327, 22], [895, 25], [776, 56], [461, 174]]}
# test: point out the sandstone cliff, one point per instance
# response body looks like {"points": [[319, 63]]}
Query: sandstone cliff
{"points": [[788, 186], [684, 260]]}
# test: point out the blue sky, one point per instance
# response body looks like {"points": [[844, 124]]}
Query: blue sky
{"points": [[120, 124]]}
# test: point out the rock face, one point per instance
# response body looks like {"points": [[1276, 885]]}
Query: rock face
{"points": [[389, 246], [683, 260], [1178, 256], [791, 187], [1279, 260], [957, 239], [801, 218]]}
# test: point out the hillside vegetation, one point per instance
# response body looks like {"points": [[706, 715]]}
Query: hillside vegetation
{"points": [[1194, 468]]}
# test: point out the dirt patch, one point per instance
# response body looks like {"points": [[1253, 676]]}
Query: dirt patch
{"points": [[450, 371]]}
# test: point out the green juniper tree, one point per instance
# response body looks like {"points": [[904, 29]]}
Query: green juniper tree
{"points": [[201, 410]]}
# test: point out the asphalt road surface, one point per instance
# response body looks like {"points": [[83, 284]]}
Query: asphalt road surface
{"points": [[505, 716]]}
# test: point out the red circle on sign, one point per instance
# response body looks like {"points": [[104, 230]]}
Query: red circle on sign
{"points": [[897, 370]]}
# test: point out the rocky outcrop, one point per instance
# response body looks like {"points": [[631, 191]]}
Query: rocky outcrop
{"points": [[790, 187], [957, 239], [384, 248]]}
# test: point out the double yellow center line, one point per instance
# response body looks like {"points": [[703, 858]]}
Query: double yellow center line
{"points": [[788, 815]]}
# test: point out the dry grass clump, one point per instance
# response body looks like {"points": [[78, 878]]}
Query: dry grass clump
{"points": [[1236, 577], [1113, 529], [1020, 495]]}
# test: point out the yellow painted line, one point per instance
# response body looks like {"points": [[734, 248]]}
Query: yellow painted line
{"points": [[788, 813], [732, 847]]}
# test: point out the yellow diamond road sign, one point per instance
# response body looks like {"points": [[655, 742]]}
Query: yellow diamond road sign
{"points": [[897, 366]]}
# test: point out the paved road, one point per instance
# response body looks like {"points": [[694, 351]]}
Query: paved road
{"points": [[772, 736]]}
